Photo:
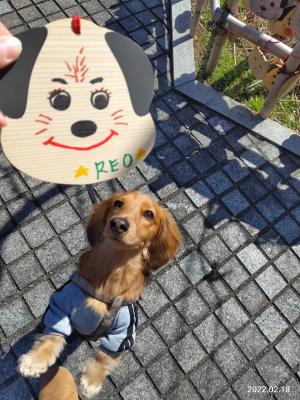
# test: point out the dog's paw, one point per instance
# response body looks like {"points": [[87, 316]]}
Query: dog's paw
{"points": [[31, 368], [88, 391]]}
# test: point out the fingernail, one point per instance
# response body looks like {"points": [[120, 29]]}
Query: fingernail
{"points": [[10, 47]]}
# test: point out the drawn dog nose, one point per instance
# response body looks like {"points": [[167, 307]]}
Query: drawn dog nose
{"points": [[119, 225], [83, 128]]}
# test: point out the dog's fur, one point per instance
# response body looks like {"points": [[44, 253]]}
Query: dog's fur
{"points": [[116, 265]]}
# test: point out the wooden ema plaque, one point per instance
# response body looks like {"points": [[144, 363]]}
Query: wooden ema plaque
{"points": [[77, 104]]}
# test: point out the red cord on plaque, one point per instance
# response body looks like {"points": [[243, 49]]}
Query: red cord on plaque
{"points": [[76, 24]]}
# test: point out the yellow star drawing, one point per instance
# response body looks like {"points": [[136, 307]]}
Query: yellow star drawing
{"points": [[81, 171], [140, 153]]}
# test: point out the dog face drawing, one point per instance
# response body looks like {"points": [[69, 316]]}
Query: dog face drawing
{"points": [[270, 9], [78, 104]]}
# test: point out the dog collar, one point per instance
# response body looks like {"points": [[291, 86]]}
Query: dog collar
{"points": [[86, 287]]}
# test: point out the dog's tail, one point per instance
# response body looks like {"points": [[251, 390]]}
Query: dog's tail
{"points": [[58, 384]]}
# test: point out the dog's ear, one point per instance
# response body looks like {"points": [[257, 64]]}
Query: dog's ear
{"points": [[136, 69], [96, 223], [14, 80], [165, 243]]}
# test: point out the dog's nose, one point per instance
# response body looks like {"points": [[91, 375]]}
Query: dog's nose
{"points": [[83, 128], [119, 225]]}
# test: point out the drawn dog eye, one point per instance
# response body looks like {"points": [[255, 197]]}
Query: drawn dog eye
{"points": [[100, 99], [149, 215], [60, 100]]}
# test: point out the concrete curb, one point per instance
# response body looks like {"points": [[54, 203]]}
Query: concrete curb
{"points": [[185, 82]]}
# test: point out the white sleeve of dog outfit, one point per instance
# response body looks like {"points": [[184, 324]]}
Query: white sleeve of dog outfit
{"points": [[67, 312]]}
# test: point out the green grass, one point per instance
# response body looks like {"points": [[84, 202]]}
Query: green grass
{"points": [[233, 77]]}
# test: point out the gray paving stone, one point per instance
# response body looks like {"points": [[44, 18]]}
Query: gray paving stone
{"points": [[235, 201], [234, 273], [174, 329], [189, 116], [8, 366], [37, 231], [11, 186], [47, 196], [11, 21], [75, 355], [163, 186], [236, 170], [5, 166], [7, 224], [180, 205], [215, 250], [75, 239], [62, 217], [252, 298], [232, 315], [92, 6], [5, 7], [271, 243], [291, 391], [52, 254], [268, 176], [296, 214], [60, 277], [271, 282], [220, 125], [143, 351], [289, 348], [252, 258], [251, 341], [192, 307], [186, 245], [204, 134], [165, 373], [199, 193], [125, 370], [234, 235], [195, 267], [13, 247], [202, 161], [23, 209], [183, 173], [250, 380], [271, 323], [168, 154], [218, 182], [220, 151], [216, 214], [230, 359], [188, 352], [131, 180], [253, 158], [153, 299], [286, 195], [102, 18], [173, 281], [288, 229], [37, 298], [296, 285], [186, 144], [197, 227], [25, 271], [140, 385], [253, 189], [289, 304], [184, 391], [208, 379], [7, 286], [252, 221], [214, 291], [228, 395], [270, 208], [14, 316], [272, 369], [172, 127], [16, 390], [48, 7], [151, 167], [30, 13], [211, 333]]}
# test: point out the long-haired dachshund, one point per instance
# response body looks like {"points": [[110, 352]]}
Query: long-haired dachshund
{"points": [[130, 235]]}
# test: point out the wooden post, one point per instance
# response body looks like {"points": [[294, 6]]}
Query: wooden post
{"points": [[198, 9], [220, 38], [291, 66]]}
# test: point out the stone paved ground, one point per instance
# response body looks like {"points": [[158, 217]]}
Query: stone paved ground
{"points": [[221, 318]]}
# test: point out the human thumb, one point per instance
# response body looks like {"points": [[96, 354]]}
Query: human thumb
{"points": [[10, 49]]}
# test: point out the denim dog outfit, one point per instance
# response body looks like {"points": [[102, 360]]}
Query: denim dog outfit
{"points": [[67, 314]]}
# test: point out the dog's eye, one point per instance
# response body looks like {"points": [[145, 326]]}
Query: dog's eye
{"points": [[118, 204], [148, 214], [60, 100], [100, 99]]}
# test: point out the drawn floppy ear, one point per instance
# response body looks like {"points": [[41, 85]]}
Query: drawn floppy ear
{"points": [[136, 69], [14, 80]]}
